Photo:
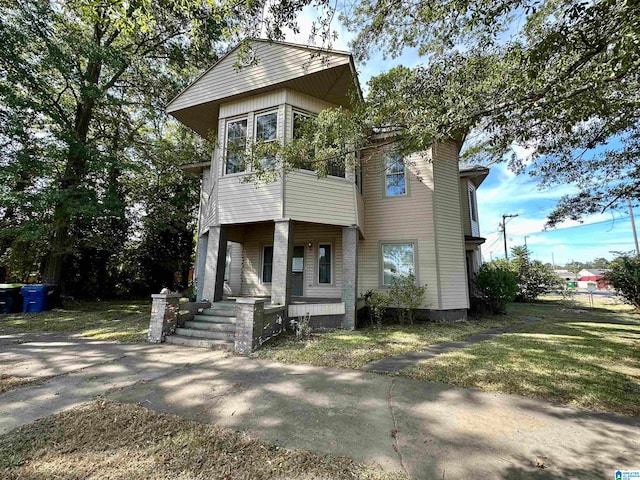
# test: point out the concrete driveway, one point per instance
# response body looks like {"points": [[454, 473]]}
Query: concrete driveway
{"points": [[431, 430]]}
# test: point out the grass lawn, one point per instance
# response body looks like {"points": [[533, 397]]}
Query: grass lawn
{"points": [[354, 349], [108, 440], [586, 358], [125, 321]]}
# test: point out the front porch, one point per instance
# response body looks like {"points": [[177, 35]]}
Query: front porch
{"points": [[304, 267]]}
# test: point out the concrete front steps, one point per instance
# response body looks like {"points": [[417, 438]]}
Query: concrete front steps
{"points": [[214, 328]]}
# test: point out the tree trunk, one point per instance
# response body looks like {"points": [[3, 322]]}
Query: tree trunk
{"points": [[62, 243]]}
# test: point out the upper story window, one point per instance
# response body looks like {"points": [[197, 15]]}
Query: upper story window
{"points": [[473, 204], [236, 145], [299, 121], [267, 132], [334, 169], [267, 127], [395, 176]]}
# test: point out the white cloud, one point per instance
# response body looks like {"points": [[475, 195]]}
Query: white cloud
{"points": [[524, 153]]}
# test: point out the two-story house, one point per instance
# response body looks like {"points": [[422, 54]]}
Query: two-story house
{"points": [[317, 244]]}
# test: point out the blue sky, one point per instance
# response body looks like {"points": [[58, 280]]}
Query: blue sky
{"points": [[506, 193], [503, 192]]}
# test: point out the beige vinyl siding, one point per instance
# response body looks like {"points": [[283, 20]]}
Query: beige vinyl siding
{"points": [[465, 211], [235, 274], [276, 64], [448, 227], [407, 218], [361, 213], [282, 122], [208, 204], [288, 127], [255, 103], [319, 200], [218, 152], [314, 309], [240, 202], [304, 102]]}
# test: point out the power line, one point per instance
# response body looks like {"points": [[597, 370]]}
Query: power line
{"points": [[601, 222], [622, 217]]}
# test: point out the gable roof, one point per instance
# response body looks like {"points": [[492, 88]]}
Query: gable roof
{"points": [[592, 272], [328, 75]]}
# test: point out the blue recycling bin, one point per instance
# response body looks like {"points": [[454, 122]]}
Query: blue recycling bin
{"points": [[36, 298]]}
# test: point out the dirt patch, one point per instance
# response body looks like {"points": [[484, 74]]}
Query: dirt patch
{"points": [[9, 382], [108, 440]]}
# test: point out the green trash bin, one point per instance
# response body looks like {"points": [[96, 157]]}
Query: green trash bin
{"points": [[10, 297]]}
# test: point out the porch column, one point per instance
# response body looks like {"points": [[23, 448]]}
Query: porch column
{"points": [[282, 255], [350, 236], [201, 262], [213, 285]]}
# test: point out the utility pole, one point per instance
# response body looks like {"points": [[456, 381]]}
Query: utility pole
{"points": [[633, 225], [504, 233]]}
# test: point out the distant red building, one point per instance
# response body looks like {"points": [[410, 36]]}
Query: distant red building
{"points": [[595, 275]]}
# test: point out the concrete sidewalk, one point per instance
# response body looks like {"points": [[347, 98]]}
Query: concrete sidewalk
{"points": [[431, 430], [74, 370]]}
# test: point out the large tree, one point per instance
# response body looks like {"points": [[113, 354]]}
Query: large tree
{"points": [[558, 77], [80, 81]]}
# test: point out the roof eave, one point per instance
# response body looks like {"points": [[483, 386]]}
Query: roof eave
{"points": [[476, 174]]}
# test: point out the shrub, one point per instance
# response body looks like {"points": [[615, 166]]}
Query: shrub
{"points": [[301, 327], [406, 296], [378, 303], [498, 284], [534, 277], [624, 275]]}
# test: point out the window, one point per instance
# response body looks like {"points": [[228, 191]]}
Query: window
{"points": [[236, 145], [267, 264], [267, 127], [267, 132], [395, 178], [299, 121], [397, 260], [473, 205], [324, 263], [336, 169]]}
